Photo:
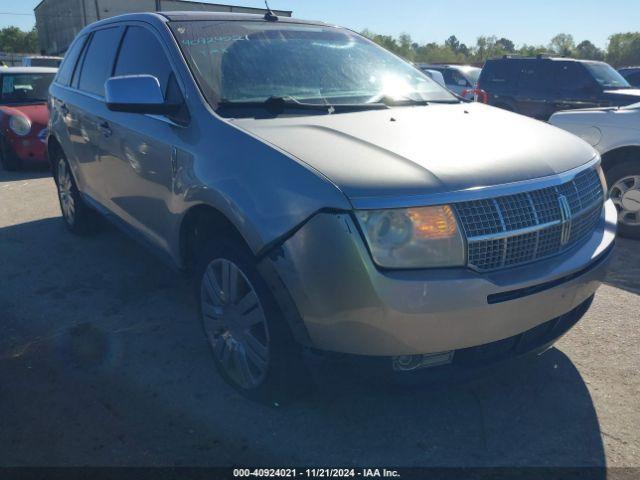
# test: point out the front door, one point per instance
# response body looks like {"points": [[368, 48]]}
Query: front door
{"points": [[139, 154], [575, 87]]}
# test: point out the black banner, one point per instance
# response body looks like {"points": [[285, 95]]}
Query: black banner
{"points": [[228, 473]]}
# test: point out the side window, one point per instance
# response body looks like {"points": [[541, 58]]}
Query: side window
{"points": [[533, 77], [98, 60], [500, 73], [142, 53], [448, 77], [69, 63], [634, 79], [571, 77], [453, 77]]}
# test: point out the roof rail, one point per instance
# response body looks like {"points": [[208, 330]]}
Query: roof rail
{"points": [[539, 55]]}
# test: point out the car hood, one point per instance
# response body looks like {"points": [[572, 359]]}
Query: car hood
{"points": [[37, 113], [409, 151]]}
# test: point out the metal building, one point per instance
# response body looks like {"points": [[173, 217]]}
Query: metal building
{"points": [[58, 21]]}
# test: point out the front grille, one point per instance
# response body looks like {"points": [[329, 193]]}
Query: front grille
{"points": [[517, 229]]}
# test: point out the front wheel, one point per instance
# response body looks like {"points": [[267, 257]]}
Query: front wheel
{"points": [[624, 190], [252, 346]]}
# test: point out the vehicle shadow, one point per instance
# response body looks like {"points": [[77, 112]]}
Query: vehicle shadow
{"points": [[624, 271], [103, 362], [29, 172]]}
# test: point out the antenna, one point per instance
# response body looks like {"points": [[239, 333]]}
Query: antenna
{"points": [[270, 16]]}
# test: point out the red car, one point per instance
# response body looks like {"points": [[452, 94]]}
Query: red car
{"points": [[24, 115]]}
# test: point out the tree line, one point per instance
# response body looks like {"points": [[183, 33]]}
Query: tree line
{"points": [[15, 40], [623, 49]]}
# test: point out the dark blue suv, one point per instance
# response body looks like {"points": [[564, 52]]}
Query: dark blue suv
{"points": [[540, 86], [631, 74]]}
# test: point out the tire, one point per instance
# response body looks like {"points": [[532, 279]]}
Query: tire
{"points": [[8, 159], [79, 218], [624, 189], [252, 346]]}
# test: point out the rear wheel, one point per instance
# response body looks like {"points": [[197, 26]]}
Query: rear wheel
{"points": [[78, 217], [252, 346], [624, 190], [8, 159]]}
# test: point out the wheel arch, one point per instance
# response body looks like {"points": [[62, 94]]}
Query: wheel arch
{"points": [[618, 155], [203, 221], [53, 147], [200, 223]]}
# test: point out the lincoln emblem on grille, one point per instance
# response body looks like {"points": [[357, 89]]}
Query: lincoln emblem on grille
{"points": [[565, 218]]}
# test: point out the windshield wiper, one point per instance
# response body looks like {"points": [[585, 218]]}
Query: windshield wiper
{"points": [[277, 105], [408, 101]]}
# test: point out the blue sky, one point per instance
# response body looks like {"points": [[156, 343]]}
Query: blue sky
{"points": [[523, 21]]}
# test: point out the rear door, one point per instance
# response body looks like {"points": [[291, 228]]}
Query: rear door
{"points": [[141, 156], [534, 89], [64, 104], [90, 113]]}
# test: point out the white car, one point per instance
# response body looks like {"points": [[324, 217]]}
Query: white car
{"points": [[615, 133], [457, 78], [436, 76]]}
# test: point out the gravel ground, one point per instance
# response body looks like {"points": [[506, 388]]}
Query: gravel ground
{"points": [[102, 362]]}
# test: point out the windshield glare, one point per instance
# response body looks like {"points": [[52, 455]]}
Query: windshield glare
{"points": [[472, 74], [607, 76], [239, 61], [21, 88]]}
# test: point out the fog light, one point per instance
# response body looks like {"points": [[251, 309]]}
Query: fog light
{"points": [[407, 363]]}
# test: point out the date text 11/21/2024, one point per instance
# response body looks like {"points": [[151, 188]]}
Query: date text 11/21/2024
{"points": [[315, 473]]}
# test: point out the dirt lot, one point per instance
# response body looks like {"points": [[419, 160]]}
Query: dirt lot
{"points": [[102, 362]]}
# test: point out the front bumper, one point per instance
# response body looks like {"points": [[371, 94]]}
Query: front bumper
{"points": [[347, 305], [27, 149]]}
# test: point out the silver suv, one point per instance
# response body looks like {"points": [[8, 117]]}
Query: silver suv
{"points": [[319, 191]]}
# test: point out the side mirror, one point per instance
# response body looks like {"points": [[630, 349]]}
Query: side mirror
{"points": [[137, 94]]}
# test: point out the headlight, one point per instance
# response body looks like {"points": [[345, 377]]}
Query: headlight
{"points": [[20, 125], [419, 237]]}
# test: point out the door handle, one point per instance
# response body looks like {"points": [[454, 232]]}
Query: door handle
{"points": [[105, 129]]}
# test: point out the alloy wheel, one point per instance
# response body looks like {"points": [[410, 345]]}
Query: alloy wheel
{"points": [[235, 323], [625, 194], [65, 192]]}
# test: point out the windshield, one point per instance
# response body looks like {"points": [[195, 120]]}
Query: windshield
{"points": [[472, 74], [607, 76], [238, 61], [25, 87]]}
